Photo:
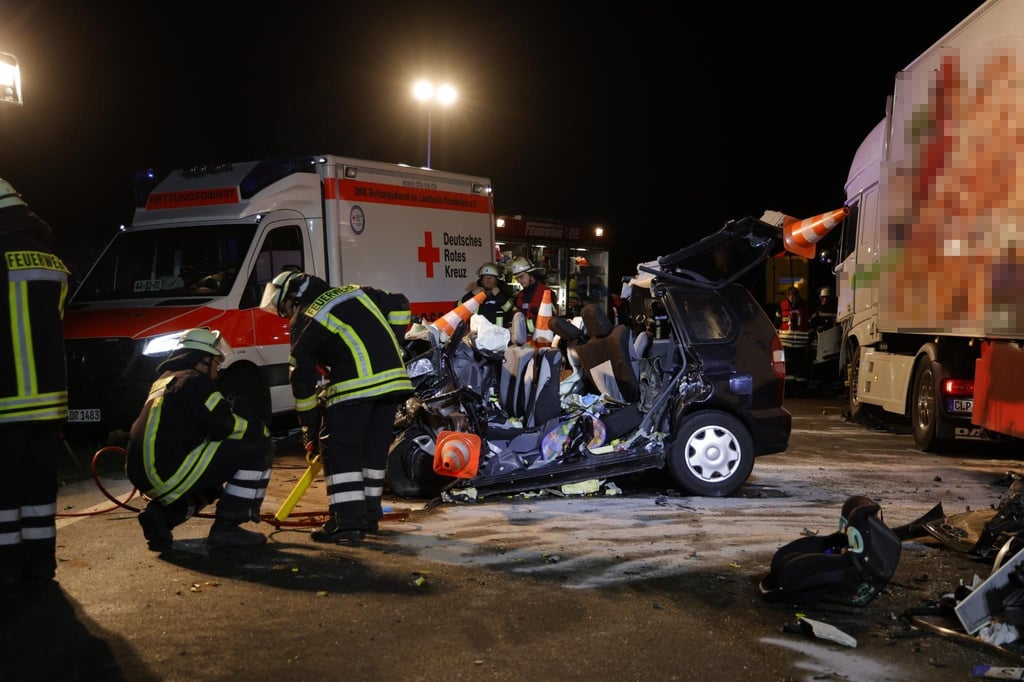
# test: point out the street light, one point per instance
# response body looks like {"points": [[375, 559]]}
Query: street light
{"points": [[10, 79], [425, 92]]}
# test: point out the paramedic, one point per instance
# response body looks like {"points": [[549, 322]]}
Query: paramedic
{"points": [[793, 320]]}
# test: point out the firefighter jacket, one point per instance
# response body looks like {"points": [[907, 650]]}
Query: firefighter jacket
{"points": [[497, 307], [794, 323], [349, 334], [179, 430], [33, 376]]}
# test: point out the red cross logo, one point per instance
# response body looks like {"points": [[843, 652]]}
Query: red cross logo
{"points": [[428, 253]]}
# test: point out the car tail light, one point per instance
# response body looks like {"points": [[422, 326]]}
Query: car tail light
{"points": [[958, 388], [778, 359]]}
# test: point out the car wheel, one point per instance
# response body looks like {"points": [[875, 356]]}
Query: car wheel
{"points": [[924, 410], [712, 454]]}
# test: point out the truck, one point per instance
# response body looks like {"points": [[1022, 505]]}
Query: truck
{"points": [[930, 268], [204, 240]]}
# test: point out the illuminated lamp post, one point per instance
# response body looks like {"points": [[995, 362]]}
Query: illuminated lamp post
{"points": [[10, 79], [426, 92]]}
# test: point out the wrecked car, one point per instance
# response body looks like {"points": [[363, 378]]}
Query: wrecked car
{"points": [[693, 386]]}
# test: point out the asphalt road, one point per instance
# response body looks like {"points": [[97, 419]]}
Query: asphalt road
{"points": [[640, 585]]}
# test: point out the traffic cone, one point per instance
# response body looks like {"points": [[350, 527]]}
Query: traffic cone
{"points": [[447, 324], [801, 235], [542, 334], [457, 454]]}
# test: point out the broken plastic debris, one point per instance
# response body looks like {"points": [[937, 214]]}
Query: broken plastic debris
{"points": [[994, 672], [825, 631], [582, 488]]}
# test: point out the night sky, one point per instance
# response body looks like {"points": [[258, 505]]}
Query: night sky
{"points": [[660, 126]]}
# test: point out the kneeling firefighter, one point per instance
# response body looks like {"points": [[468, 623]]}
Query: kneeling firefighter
{"points": [[187, 443]]}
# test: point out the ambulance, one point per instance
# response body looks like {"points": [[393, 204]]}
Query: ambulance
{"points": [[205, 240]]}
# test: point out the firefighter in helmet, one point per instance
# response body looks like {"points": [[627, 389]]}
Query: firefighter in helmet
{"points": [[347, 338], [187, 442], [531, 294], [497, 307], [33, 392]]}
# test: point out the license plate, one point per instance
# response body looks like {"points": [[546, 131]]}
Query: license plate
{"points": [[961, 405], [79, 416]]}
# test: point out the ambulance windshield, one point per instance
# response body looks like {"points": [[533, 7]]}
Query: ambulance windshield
{"points": [[181, 262]]}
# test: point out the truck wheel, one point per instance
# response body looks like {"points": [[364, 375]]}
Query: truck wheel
{"points": [[859, 411], [924, 410], [712, 454]]}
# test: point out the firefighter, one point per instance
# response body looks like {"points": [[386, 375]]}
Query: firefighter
{"points": [[531, 294], [497, 307], [793, 318], [345, 354], [188, 448], [33, 392]]}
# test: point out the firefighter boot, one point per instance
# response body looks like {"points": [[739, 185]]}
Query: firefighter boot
{"points": [[334, 531], [156, 527], [226, 533]]}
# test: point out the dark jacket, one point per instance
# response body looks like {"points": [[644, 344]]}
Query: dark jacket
{"points": [[350, 336], [497, 307], [179, 429], [33, 371]]}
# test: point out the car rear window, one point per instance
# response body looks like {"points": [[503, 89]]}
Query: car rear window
{"points": [[706, 317]]}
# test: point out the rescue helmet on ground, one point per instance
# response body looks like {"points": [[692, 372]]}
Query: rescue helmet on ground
{"points": [[202, 339], [9, 196], [492, 269], [824, 291], [286, 285], [520, 264]]}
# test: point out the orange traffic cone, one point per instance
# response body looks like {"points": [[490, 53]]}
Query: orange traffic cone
{"points": [[802, 235], [461, 313], [542, 335], [457, 454]]}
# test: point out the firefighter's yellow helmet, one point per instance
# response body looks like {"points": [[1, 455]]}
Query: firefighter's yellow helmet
{"points": [[202, 339], [285, 285]]}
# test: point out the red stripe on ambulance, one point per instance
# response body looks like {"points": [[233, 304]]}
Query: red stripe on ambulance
{"points": [[379, 193]]}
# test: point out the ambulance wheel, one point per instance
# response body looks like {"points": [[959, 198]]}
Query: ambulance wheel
{"points": [[924, 409], [712, 454]]}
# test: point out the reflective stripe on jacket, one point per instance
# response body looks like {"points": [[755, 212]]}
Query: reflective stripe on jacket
{"points": [[353, 331], [33, 376]]}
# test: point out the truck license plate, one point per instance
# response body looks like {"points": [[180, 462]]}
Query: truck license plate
{"points": [[79, 416], [961, 405]]}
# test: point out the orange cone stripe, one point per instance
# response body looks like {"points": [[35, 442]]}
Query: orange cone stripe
{"points": [[542, 335], [462, 313], [802, 235]]}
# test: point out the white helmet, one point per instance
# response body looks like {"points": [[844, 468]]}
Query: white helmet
{"points": [[492, 269], [9, 196], [201, 339], [521, 265], [824, 291], [285, 285]]}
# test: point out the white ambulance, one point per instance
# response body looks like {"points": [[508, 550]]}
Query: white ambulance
{"points": [[205, 240]]}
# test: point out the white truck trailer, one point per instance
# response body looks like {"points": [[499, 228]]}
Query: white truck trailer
{"points": [[930, 273]]}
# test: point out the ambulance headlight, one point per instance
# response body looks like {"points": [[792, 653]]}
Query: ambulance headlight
{"points": [[162, 345]]}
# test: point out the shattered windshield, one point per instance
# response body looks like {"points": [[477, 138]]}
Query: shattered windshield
{"points": [[177, 262]]}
